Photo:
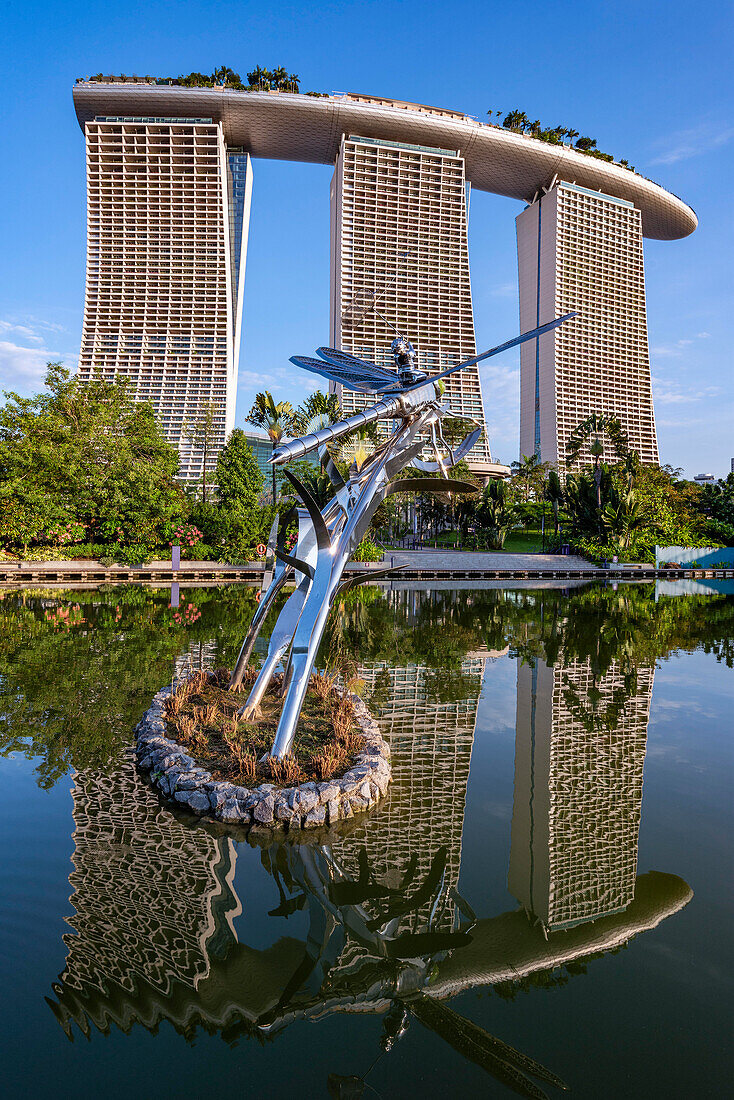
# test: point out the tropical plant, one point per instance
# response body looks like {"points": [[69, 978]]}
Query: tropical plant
{"points": [[554, 494], [529, 475], [258, 78], [319, 410], [495, 514], [277, 418], [595, 425]]}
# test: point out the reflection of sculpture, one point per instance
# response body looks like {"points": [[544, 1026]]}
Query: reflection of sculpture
{"points": [[579, 758], [328, 538], [161, 946]]}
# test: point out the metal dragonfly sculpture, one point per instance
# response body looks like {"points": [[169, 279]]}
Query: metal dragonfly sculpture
{"points": [[328, 537]]}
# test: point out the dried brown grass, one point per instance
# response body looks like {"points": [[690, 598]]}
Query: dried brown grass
{"points": [[209, 721], [287, 771]]}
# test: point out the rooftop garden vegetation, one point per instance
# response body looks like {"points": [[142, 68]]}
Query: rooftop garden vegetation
{"points": [[259, 80], [520, 123]]}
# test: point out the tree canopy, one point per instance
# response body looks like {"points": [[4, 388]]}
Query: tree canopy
{"points": [[239, 478], [85, 456]]}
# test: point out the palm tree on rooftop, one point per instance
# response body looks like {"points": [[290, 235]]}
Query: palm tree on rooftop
{"points": [[280, 76], [258, 77], [293, 81], [224, 76], [571, 134], [275, 417]]}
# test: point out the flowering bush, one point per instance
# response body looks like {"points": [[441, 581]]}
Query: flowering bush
{"points": [[59, 534], [186, 534]]}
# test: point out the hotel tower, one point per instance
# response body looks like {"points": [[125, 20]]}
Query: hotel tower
{"points": [[168, 207], [387, 199], [581, 250]]}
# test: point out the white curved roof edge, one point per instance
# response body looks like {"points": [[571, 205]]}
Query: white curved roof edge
{"points": [[290, 126]]}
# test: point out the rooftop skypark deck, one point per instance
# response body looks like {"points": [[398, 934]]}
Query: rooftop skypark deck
{"points": [[289, 126]]}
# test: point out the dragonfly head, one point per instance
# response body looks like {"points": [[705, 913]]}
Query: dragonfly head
{"points": [[403, 353]]}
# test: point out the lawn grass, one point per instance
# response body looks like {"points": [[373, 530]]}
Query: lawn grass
{"points": [[523, 542]]}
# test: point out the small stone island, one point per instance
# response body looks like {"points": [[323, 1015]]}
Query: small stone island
{"points": [[201, 755]]}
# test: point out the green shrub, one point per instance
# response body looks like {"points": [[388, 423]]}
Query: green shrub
{"points": [[200, 551], [131, 555], [367, 551]]}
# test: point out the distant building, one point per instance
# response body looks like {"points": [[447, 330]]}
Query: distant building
{"points": [[581, 250], [705, 479]]}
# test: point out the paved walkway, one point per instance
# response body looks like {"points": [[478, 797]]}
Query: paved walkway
{"points": [[481, 560]]}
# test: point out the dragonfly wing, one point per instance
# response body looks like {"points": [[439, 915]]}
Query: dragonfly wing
{"points": [[531, 335], [342, 375], [354, 363]]}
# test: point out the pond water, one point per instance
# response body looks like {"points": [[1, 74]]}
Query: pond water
{"points": [[545, 894]]}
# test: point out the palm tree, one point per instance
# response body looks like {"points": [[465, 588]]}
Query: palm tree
{"points": [[275, 418], [596, 425], [294, 81], [319, 410], [258, 77], [524, 470], [554, 493], [223, 76], [515, 120], [586, 144], [593, 428], [571, 134], [279, 76]]}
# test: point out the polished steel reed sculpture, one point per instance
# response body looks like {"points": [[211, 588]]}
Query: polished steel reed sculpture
{"points": [[328, 537]]}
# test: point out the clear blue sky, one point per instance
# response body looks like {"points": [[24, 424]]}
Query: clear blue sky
{"points": [[650, 81]]}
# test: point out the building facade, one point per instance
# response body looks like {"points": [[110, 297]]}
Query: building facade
{"points": [[389, 198], [169, 184], [168, 206], [581, 250]]}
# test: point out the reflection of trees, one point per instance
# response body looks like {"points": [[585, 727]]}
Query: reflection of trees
{"points": [[600, 624], [77, 669]]}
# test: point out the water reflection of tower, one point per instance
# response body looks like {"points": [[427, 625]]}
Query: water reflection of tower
{"points": [[154, 904], [579, 759], [431, 742]]}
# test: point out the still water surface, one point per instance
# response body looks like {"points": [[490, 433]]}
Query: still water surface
{"points": [[545, 894]]}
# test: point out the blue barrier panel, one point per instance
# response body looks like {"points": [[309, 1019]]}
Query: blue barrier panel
{"points": [[706, 557]]}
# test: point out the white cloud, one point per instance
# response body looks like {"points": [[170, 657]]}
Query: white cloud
{"points": [[20, 366], [692, 143], [24, 353], [501, 391], [677, 348], [21, 331]]}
